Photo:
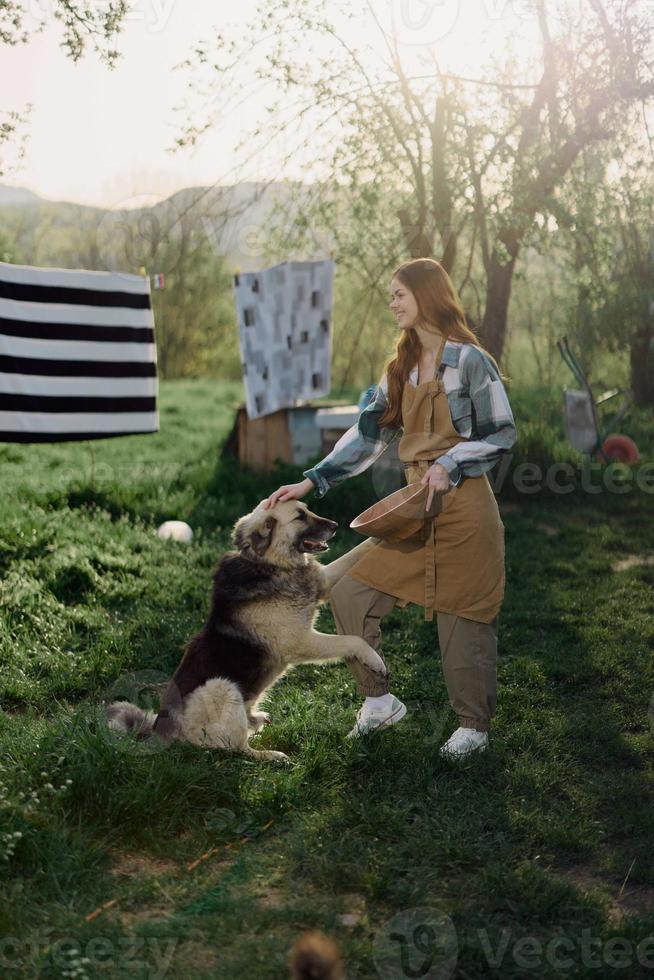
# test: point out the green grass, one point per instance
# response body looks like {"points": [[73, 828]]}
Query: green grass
{"points": [[528, 844]]}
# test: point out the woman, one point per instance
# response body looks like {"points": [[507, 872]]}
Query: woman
{"points": [[443, 391]]}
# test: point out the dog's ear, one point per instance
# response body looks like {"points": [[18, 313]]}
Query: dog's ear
{"points": [[258, 540], [238, 534], [261, 539]]}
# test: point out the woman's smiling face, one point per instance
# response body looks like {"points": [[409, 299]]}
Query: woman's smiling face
{"points": [[403, 305]]}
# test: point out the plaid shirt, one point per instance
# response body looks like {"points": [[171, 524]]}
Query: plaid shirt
{"points": [[480, 412]]}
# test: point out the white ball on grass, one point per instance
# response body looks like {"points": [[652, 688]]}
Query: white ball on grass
{"points": [[175, 531]]}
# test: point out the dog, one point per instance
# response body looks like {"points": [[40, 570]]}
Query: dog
{"points": [[260, 624]]}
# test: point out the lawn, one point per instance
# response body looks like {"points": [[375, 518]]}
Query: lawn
{"points": [[533, 859]]}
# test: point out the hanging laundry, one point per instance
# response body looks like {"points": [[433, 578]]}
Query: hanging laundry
{"points": [[77, 355]]}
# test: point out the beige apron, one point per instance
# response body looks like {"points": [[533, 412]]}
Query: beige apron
{"points": [[455, 564]]}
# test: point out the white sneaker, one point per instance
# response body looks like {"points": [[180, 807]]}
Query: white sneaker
{"points": [[370, 719], [462, 742]]}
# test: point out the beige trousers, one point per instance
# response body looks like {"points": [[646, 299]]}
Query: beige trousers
{"points": [[468, 650]]}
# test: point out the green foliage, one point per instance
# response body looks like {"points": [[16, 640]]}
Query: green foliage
{"points": [[82, 24], [195, 316], [176, 849]]}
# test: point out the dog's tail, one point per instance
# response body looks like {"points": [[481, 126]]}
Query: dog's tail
{"points": [[122, 716], [316, 957]]}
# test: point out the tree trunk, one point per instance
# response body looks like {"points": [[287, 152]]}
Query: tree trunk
{"points": [[641, 357], [498, 294], [417, 243]]}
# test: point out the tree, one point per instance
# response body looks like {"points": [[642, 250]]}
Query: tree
{"points": [[13, 136], [6, 247], [194, 313], [82, 23], [606, 231], [196, 328], [465, 175]]}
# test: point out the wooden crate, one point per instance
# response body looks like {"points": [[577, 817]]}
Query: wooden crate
{"points": [[333, 421], [294, 435]]}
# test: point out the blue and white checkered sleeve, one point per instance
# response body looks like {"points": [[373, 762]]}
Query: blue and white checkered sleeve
{"points": [[358, 448], [493, 426]]}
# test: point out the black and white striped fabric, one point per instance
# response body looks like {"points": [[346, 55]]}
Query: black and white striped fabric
{"points": [[77, 355]]}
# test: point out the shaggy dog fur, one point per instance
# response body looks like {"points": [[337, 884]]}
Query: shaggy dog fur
{"points": [[264, 603]]}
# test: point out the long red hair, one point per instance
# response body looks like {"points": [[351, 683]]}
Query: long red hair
{"points": [[438, 307]]}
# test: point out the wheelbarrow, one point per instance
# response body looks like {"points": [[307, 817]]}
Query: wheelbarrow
{"points": [[582, 423]]}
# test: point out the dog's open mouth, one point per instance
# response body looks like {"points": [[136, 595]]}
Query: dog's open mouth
{"points": [[313, 546]]}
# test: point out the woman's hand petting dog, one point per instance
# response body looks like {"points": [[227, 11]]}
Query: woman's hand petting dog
{"points": [[292, 491]]}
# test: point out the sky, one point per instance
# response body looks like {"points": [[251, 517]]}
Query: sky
{"points": [[100, 136]]}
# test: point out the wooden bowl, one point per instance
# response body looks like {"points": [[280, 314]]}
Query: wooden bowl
{"points": [[396, 517]]}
